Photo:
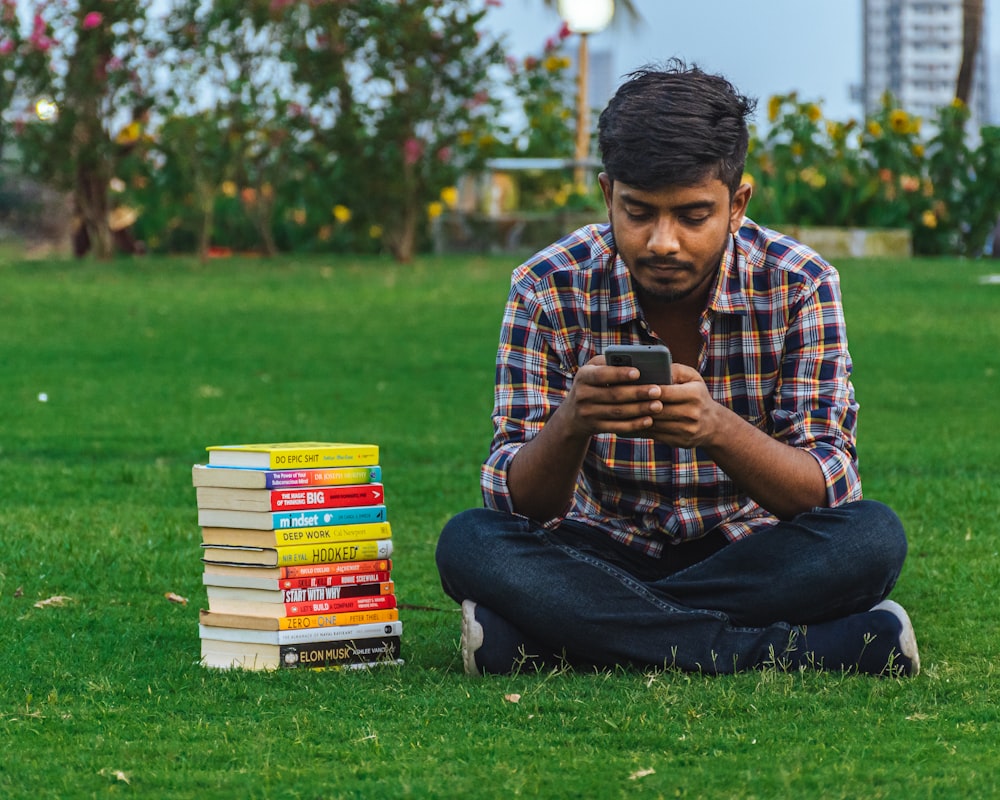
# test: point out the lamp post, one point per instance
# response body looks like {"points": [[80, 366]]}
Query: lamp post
{"points": [[584, 17]]}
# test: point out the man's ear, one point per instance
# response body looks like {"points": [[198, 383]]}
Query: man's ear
{"points": [[738, 206], [607, 186]]}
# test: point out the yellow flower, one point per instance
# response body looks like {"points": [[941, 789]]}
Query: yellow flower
{"points": [[298, 216], [555, 63], [874, 129], [435, 209], [466, 137], [325, 233], [928, 219], [229, 188], [899, 121], [341, 213], [375, 231], [796, 149], [748, 178], [813, 112], [837, 131], [773, 107], [813, 177], [917, 150], [449, 196], [129, 134]]}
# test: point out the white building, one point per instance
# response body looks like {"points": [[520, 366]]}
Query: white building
{"points": [[913, 49]]}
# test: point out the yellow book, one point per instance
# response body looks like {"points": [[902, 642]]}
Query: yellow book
{"points": [[248, 622], [294, 555], [288, 537], [293, 455]]}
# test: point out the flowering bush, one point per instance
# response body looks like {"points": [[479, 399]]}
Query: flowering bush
{"points": [[546, 95], [81, 62], [885, 172]]}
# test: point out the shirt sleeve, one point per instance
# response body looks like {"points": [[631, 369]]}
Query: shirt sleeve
{"points": [[815, 408], [531, 381]]}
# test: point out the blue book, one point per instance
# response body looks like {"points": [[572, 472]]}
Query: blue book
{"points": [[287, 520]]}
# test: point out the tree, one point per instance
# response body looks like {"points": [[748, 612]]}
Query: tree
{"points": [[83, 62], [228, 79], [972, 37], [400, 103]]}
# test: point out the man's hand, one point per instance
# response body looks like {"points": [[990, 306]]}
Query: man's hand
{"points": [[605, 399], [688, 416]]}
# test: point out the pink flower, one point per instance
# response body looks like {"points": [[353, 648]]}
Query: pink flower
{"points": [[413, 149], [494, 3], [564, 31], [92, 20], [6, 47], [444, 154]]}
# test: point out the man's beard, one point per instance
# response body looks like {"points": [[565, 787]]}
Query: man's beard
{"points": [[665, 294]]}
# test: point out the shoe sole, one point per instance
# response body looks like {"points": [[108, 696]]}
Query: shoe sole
{"points": [[907, 638], [472, 637]]}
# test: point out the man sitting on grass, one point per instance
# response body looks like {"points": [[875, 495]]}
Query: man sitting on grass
{"points": [[714, 524]]}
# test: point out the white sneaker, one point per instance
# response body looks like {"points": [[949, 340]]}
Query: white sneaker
{"points": [[472, 637], [907, 638]]}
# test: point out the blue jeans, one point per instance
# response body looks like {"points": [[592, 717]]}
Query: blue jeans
{"points": [[706, 605]]}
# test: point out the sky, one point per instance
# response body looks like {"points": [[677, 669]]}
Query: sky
{"points": [[763, 47]]}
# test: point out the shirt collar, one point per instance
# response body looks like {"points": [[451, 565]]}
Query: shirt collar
{"points": [[623, 305], [729, 295]]}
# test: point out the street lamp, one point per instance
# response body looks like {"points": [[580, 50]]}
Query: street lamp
{"points": [[584, 17]]}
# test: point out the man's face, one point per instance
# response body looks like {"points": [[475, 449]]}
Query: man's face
{"points": [[672, 239]]}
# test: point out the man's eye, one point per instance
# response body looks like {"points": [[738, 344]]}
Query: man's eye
{"points": [[636, 214], [694, 220]]}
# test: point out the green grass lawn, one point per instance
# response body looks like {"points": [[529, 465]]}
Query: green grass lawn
{"points": [[141, 364]]}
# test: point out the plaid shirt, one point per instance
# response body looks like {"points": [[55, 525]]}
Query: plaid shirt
{"points": [[774, 351]]}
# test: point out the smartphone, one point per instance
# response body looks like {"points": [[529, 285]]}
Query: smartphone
{"points": [[652, 360]]}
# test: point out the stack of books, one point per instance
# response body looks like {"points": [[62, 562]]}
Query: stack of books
{"points": [[296, 548]]}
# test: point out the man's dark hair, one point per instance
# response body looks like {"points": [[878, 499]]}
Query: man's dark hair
{"points": [[675, 125]]}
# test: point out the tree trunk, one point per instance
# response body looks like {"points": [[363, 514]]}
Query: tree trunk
{"points": [[972, 34], [401, 238], [207, 220], [91, 201]]}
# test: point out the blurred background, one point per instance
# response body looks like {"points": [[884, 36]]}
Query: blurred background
{"points": [[219, 127]]}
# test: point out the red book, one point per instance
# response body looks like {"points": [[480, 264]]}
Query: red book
{"points": [[230, 575], [266, 608], [367, 494]]}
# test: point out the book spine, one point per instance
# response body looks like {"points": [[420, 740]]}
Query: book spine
{"points": [[350, 515], [327, 497], [353, 651], [308, 456], [217, 633], [290, 478], [346, 568], [316, 593], [332, 620], [333, 533], [340, 632], [334, 580], [341, 605], [296, 555]]}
